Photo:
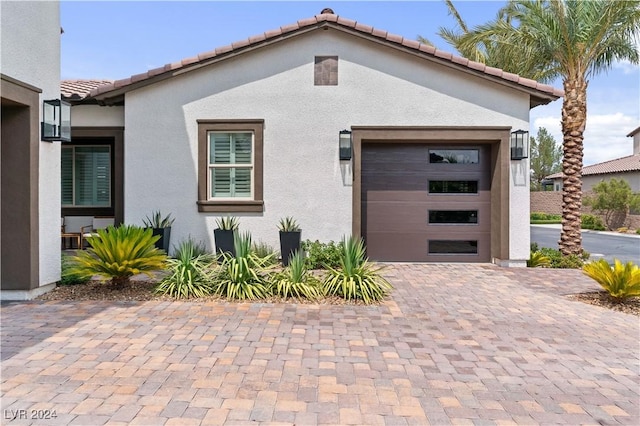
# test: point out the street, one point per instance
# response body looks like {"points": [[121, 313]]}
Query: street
{"points": [[601, 245]]}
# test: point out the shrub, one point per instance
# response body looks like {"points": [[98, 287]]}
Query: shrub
{"points": [[295, 280], [67, 276], [190, 272], [620, 281], [557, 260], [356, 278], [322, 255], [594, 222], [540, 216], [119, 253], [538, 260], [613, 198], [240, 276]]}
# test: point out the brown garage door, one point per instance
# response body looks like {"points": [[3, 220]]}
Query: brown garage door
{"points": [[426, 202]]}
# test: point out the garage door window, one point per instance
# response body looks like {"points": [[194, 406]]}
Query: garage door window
{"points": [[453, 247], [454, 156], [461, 217], [453, 186]]}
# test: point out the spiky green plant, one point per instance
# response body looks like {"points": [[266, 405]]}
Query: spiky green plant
{"points": [[118, 254], [265, 251], [240, 276], [189, 248], [158, 221], [229, 223], [288, 224], [620, 281], [356, 278], [296, 281], [190, 272], [539, 260]]}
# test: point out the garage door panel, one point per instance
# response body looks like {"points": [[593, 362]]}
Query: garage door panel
{"points": [[402, 190]]}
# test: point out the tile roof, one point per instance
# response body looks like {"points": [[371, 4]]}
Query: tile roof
{"points": [[80, 89], [619, 165], [545, 93]]}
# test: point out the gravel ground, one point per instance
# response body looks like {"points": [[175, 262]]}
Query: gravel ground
{"points": [[143, 290]]}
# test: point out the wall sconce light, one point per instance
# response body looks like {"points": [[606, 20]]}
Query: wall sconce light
{"points": [[345, 145], [56, 121], [519, 145]]}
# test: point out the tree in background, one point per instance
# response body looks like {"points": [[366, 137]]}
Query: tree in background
{"points": [[546, 158], [613, 199], [567, 39]]}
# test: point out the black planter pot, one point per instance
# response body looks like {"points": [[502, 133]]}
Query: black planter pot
{"points": [[289, 243], [224, 241], [165, 235]]}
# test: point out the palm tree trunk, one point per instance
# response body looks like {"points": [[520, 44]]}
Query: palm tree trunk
{"points": [[574, 119]]}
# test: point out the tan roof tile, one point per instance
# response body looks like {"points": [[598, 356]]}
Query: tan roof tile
{"points": [[618, 165], [339, 22], [80, 89]]}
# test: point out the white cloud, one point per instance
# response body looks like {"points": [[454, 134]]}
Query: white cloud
{"points": [[627, 67], [605, 137]]}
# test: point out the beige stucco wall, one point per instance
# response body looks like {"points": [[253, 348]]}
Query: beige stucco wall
{"points": [[97, 116], [588, 182], [30, 52], [302, 174]]}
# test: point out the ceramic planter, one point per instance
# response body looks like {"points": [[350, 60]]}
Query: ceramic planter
{"points": [[289, 243], [224, 241]]}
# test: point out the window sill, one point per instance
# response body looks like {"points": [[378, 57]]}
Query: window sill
{"points": [[230, 206]]}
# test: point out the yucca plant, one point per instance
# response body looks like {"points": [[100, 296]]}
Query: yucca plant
{"points": [[620, 281], [158, 221], [356, 278], [190, 272], [119, 253], [288, 224], [229, 223], [539, 260], [296, 281], [240, 275]]}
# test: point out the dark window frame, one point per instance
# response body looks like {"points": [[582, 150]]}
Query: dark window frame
{"points": [[205, 204]]}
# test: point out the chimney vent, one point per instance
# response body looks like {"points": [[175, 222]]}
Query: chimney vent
{"points": [[327, 10]]}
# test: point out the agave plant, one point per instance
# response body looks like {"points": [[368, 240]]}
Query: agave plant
{"points": [[296, 281], [190, 272], [229, 223], [356, 278], [158, 221], [240, 275], [620, 281], [118, 254], [288, 224], [539, 260]]}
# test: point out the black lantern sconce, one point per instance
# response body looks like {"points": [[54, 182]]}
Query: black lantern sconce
{"points": [[519, 145], [345, 145], [56, 121]]}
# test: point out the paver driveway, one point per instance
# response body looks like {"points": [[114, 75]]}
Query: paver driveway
{"points": [[455, 344]]}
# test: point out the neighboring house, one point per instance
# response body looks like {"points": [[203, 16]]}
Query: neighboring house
{"points": [[627, 168], [30, 169], [252, 130]]}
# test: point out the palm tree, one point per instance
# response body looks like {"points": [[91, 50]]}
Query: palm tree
{"points": [[568, 39]]}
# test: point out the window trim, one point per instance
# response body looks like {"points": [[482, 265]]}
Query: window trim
{"points": [[229, 205], [73, 147]]}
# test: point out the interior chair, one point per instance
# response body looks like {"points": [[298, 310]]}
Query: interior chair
{"points": [[97, 223]]}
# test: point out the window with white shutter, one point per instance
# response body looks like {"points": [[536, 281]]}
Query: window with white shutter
{"points": [[230, 165], [86, 176]]}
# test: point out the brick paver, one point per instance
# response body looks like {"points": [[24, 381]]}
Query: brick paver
{"points": [[455, 344]]}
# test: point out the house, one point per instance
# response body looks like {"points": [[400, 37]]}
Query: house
{"points": [[626, 168], [30, 169], [254, 130]]}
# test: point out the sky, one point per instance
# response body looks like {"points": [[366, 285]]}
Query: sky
{"points": [[118, 39]]}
